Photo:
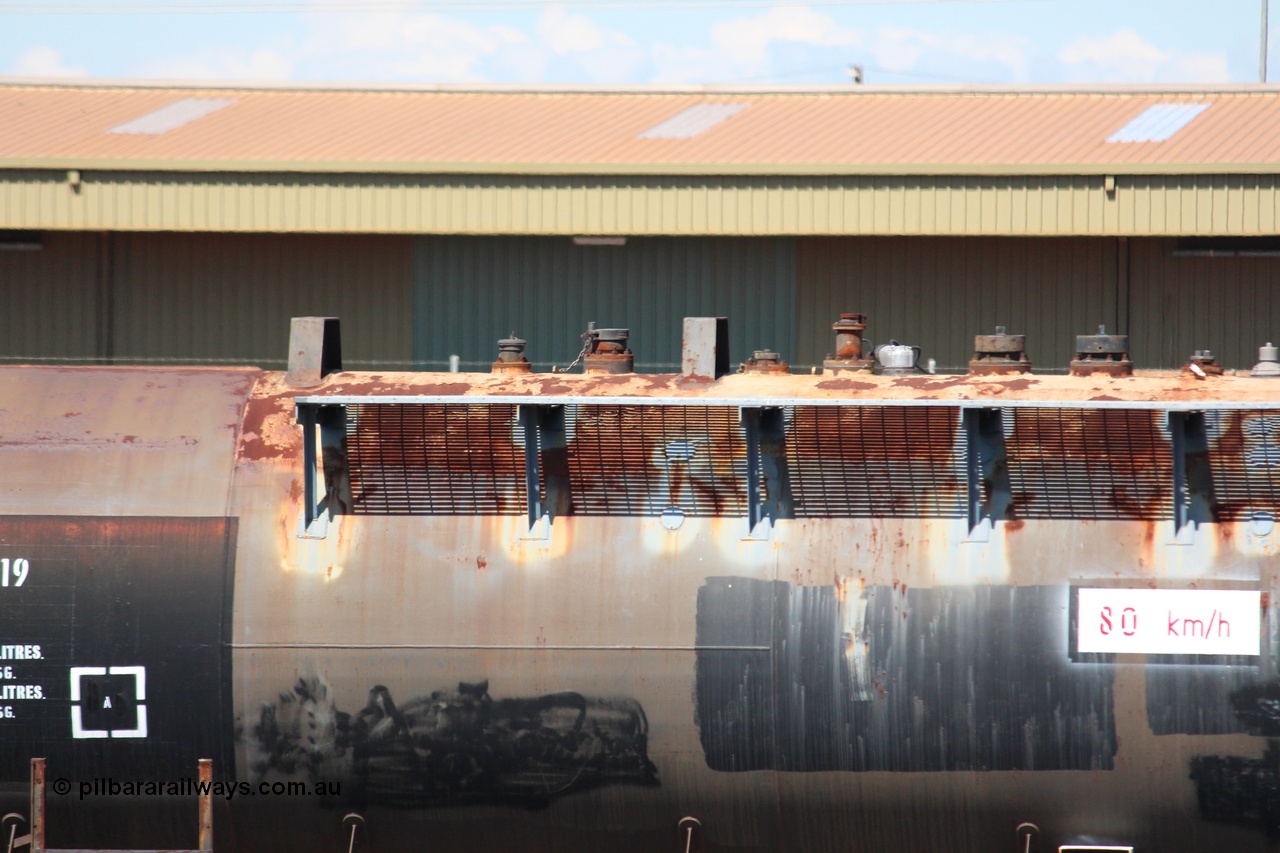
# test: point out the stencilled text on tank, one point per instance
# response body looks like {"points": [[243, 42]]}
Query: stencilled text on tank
{"points": [[13, 679]]}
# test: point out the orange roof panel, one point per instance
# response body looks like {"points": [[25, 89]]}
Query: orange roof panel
{"points": [[847, 130]]}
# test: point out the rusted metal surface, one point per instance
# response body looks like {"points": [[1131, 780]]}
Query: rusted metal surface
{"points": [[434, 460], [1145, 388], [1089, 464], [606, 351], [765, 362], [1203, 364], [37, 805], [876, 463], [1102, 353], [206, 805], [848, 355], [37, 837], [128, 441], [999, 354], [639, 460]]}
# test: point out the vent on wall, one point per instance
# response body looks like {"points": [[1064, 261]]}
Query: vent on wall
{"points": [[1227, 247], [21, 241]]}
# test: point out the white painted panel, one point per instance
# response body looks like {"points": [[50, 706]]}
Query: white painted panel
{"points": [[1168, 621]]}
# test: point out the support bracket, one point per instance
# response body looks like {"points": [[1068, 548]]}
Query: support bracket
{"points": [[332, 424], [1193, 493], [765, 432], [546, 466], [989, 494]]}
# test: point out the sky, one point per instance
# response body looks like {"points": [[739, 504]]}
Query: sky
{"points": [[651, 42]]}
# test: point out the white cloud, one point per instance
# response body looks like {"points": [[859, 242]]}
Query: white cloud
{"points": [[365, 47], [901, 50], [684, 64], [1125, 56], [743, 48], [600, 55], [417, 47], [565, 33], [745, 41], [44, 62]]}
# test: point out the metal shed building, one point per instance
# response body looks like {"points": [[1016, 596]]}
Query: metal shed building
{"points": [[172, 224]]}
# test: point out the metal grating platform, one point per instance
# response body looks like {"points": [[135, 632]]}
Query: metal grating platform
{"points": [[639, 460], [894, 462], [1244, 456], [435, 459], [1089, 464]]}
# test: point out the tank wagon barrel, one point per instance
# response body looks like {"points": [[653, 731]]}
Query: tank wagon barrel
{"points": [[868, 609]]}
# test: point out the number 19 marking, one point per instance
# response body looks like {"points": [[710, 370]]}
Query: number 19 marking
{"points": [[20, 568]]}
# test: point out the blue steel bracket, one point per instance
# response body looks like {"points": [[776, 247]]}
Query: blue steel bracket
{"points": [[532, 482], [546, 466], [331, 421], [1193, 494], [989, 491], [765, 431]]}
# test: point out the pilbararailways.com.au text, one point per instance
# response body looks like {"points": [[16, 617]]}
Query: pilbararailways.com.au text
{"points": [[101, 787]]}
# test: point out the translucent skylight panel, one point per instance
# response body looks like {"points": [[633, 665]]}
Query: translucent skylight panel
{"points": [[1157, 123], [690, 122], [172, 116]]}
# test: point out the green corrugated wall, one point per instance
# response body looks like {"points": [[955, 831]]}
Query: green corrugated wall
{"points": [[229, 297], [204, 298], [226, 298], [50, 300], [1229, 306], [938, 292], [471, 291]]}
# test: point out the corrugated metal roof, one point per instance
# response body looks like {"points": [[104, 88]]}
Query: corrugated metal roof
{"points": [[851, 130]]}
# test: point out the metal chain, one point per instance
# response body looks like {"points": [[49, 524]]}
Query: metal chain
{"points": [[586, 345]]}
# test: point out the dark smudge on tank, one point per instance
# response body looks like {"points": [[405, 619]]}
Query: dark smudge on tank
{"points": [[942, 679], [1238, 789], [451, 747]]}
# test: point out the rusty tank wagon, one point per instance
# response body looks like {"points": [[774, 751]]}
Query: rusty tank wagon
{"points": [[614, 611]]}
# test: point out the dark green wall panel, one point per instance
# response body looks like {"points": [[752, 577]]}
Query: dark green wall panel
{"points": [[228, 297], [471, 291], [50, 302], [1229, 306], [938, 292]]}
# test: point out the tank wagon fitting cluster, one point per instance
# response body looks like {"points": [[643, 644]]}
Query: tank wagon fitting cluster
{"points": [[999, 354], [511, 356], [1203, 364], [1268, 365], [1102, 353], [849, 354], [765, 362], [606, 351]]}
